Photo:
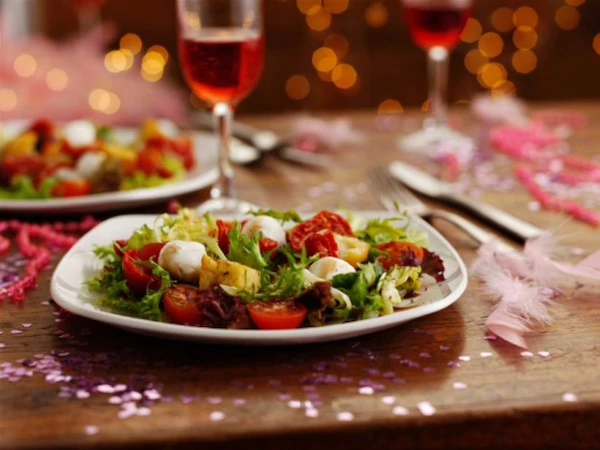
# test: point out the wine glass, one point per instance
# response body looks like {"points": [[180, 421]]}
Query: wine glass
{"points": [[88, 13], [222, 49], [436, 26]]}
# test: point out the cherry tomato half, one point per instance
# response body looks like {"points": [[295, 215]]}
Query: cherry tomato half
{"points": [[224, 230], [151, 162], [150, 252], [180, 306], [267, 245], [182, 148], [119, 246], [72, 188], [335, 223], [400, 254], [322, 242], [325, 220], [139, 278], [278, 314], [299, 233]]}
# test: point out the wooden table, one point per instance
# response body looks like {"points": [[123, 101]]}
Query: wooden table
{"points": [[255, 397]]}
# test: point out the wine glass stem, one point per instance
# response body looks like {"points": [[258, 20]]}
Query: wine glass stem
{"points": [[223, 115], [438, 84]]}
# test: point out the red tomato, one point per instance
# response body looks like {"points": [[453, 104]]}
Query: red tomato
{"points": [[139, 278], [119, 246], [180, 306], [15, 166], [335, 223], [224, 230], [267, 245], [298, 235], [322, 242], [43, 128], [151, 162], [400, 254], [184, 148], [72, 188], [278, 314], [150, 252]]}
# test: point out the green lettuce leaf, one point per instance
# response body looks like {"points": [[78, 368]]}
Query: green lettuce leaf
{"points": [[379, 232], [23, 188], [246, 250], [399, 282], [287, 216], [357, 285], [142, 181]]}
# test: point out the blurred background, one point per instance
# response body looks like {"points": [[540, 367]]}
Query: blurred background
{"points": [[321, 55]]}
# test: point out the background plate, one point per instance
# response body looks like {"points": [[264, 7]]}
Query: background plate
{"points": [[79, 264]]}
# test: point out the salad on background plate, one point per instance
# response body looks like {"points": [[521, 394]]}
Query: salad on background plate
{"points": [[45, 160], [268, 271]]}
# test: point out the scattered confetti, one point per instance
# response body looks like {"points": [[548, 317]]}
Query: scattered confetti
{"points": [[366, 390], [458, 385], [217, 416], [569, 397], [485, 354], [312, 412], [464, 358], [491, 337], [400, 411], [526, 354], [544, 354], [16, 332], [388, 400], [426, 408], [26, 325], [91, 430], [295, 404]]}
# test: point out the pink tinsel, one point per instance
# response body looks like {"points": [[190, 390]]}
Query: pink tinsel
{"points": [[523, 143], [83, 61], [527, 283], [312, 134]]}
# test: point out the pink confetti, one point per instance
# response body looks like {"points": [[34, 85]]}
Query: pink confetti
{"points": [[366, 390], [26, 325], [16, 332], [464, 358], [105, 388], [82, 394], [312, 412], [2, 345], [485, 354], [458, 385], [544, 354], [569, 397], [91, 430], [526, 354], [426, 408], [490, 337], [217, 416], [400, 411], [115, 400], [143, 411], [345, 416], [295, 404]]}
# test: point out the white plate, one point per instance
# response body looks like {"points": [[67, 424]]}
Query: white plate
{"points": [[79, 264], [205, 173]]}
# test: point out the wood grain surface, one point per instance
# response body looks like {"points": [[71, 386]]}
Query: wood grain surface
{"points": [[502, 399]]}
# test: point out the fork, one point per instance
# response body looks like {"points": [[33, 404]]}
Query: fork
{"points": [[391, 193]]}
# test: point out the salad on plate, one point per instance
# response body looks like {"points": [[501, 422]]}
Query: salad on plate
{"points": [[44, 160], [271, 270]]}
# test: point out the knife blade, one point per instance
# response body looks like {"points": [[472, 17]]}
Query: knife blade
{"points": [[430, 186], [267, 141]]}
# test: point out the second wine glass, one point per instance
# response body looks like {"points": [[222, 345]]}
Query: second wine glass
{"points": [[221, 45], [436, 26]]}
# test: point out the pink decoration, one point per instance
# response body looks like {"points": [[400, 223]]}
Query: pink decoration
{"points": [[311, 134], [523, 143], [553, 118], [505, 110], [526, 284], [82, 60]]}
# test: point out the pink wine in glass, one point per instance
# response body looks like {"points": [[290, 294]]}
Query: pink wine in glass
{"points": [[436, 23], [223, 65]]}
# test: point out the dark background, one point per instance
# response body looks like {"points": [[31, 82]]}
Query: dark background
{"points": [[388, 64]]}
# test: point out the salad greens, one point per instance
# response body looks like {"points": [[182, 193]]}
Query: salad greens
{"points": [[22, 188]]}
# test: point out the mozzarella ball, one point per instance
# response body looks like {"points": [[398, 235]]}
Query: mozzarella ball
{"points": [[328, 267], [90, 164], [183, 260], [267, 227], [80, 133]]}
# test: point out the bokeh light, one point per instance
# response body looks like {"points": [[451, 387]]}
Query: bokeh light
{"points": [[475, 60], [472, 31], [344, 76], [377, 15], [502, 19], [336, 6], [104, 101], [525, 16], [491, 44], [524, 61], [574, 2], [318, 18], [8, 100], [390, 106], [338, 43], [131, 42], [57, 80], [567, 17], [324, 59], [118, 61], [525, 38], [25, 65], [425, 106], [297, 87], [507, 89], [306, 5], [596, 43], [160, 50], [492, 75]]}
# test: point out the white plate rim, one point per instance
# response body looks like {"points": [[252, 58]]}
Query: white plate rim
{"points": [[258, 337]]}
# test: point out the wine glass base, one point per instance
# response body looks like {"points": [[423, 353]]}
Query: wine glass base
{"points": [[225, 206], [428, 139]]}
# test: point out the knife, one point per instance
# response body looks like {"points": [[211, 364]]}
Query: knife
{"points": [[430, 186], [268, 141]]}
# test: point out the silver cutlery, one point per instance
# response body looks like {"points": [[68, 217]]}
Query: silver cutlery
{"points": [[267, 141], [393, 195], [430, 186]]}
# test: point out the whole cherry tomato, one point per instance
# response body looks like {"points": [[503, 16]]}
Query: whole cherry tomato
{"points": [[224, 230], [72, 188], [400, 254], [180, 306], [278, 314]]}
